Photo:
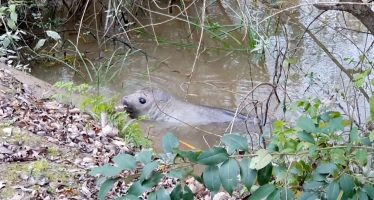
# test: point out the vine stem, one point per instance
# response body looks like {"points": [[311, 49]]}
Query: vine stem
{"points": [[306, 152], [198, 48]]}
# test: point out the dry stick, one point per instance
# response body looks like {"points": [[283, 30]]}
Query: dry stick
{"points": [[108, 26], [333, 59], [107, 18], [159, 23], [298, 43], [198, 48], [309, 4], [343, 35], [153, 28], [97, 31], [244, 18], [245, 98], [81, 22], [188, 23]]}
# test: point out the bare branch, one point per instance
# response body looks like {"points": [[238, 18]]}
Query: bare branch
{"points": [[357, 8]]}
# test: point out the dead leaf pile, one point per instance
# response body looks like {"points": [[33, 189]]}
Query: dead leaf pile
{"points": [[61, 123], [21, 153]]}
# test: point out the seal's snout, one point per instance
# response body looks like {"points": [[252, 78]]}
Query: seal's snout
{"points": [[125, 102]]}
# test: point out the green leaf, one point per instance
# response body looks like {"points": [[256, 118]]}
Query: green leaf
{"points": [[262, 159], [190, 155], [13, 16], [333, 125], [179, 194], [366, 141], [177, 173], [125, 161], [248, 175], [128, 197], [176, 194], [105, 188], [338, 156], [286, 194], [307, 137], [170, 142], [361, 196], [371, 102], [39, 44], [12, 7], [371, 136], [136, 189], [353, 136], [264, 174], [11, 24], [275, 195], [153, 180], [313, 186], [228, 172], [152, 196], [213, 156], [306, 124], [369, 190], [162, 194], [106, 170], [235, 142], [144, 156], [333, 191], [211, 178], [309, 196], [326, 168], [147, 170], [6, 42], [54, 35], [347, 185], [362, 156], [262, 192]]}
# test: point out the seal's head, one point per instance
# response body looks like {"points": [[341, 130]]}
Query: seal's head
{"points": [[143, 101]]}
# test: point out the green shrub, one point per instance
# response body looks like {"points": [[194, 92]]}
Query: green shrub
{"points": [[312, 160]]}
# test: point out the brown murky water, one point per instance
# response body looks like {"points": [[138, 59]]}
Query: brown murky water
{"points": [[224, 73]]}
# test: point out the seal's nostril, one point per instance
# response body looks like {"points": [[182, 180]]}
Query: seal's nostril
{"points": [[124, 101]]}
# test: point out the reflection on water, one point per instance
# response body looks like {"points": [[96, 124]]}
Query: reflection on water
{"points": [[222, 77]]}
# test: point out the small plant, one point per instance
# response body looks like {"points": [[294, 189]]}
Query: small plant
{"points": [[129, 129], [71, 89], [105, 109], [312, 160]]}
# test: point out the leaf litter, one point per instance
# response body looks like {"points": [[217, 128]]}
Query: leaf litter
{"points": [[70, 142]]}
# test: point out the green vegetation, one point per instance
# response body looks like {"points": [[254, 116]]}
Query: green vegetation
{"points": [[311, 160], [326, 153], [100, 106], [129, 129]]}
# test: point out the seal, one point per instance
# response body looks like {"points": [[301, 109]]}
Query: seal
{"points": [[160, 106]]}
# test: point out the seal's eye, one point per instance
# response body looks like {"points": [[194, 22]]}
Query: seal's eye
{"points": [[142, 100]]}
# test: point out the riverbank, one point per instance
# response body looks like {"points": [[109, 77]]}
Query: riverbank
{"points": [[47, 148]]}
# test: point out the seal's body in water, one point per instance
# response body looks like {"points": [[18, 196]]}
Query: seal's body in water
{"points": [[160, 106]]}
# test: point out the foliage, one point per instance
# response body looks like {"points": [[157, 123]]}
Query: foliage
{"points": [[312, 160], [9, 17], [129, 129], [71, 89], [19, 21]]}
